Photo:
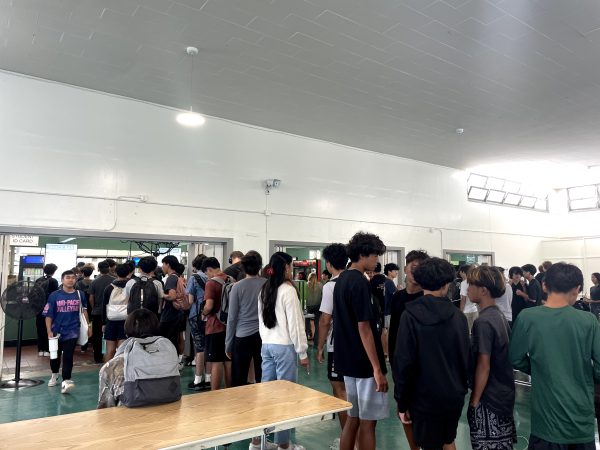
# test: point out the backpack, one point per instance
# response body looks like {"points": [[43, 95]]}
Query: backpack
{"points": [[117, 304], [44, 284], [150, 372], [181, 296], [143, 295], [226, 285]]}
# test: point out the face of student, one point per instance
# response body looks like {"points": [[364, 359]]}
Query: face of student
{"points": [[289, 272], [527, 275], [408, 271], [516, 278], [324, 278], [370, 262], [392, 274], [69, 281], [475, 293], [594, 279], [210, 272]]}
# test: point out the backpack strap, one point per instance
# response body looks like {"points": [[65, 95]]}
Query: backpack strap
{"points": [[199, 281]]}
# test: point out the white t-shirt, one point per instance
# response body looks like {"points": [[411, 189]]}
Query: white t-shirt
{"points": [[327, 307], [504, 303], [470, 307]]}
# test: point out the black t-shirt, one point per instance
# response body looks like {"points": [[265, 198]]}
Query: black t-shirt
{"points": [[97, 290], [534, 291], [518, 303], [491, 336], [399, 301], [595, 293], [169, 313], [378, 291], [353, 303]]}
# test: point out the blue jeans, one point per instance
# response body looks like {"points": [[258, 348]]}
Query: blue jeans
{"points": [[279, 362]]}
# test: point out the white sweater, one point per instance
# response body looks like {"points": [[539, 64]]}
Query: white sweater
{"points": [[289, 329]]}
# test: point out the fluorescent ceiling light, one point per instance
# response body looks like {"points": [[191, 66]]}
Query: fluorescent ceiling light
{"points": [[585, 203], [64, 241], [190, 119], [477, 180], [583, 192], [494, 183], [476, 193], [527, 202], [512, 199], [495, 196]]}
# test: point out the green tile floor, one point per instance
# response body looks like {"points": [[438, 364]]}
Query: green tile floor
{"points": [[42, 401]]}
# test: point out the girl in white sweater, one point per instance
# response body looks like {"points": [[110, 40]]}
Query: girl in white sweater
{"points": [[281, 326]]}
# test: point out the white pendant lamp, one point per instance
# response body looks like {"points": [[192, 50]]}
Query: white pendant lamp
{"points": [[191, 118]]}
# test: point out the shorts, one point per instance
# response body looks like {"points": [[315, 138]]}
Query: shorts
{"points": [[170, 330], [115, 330], [536, 443], [331, 373], [434, 430], [182, 323], [386, 321], [367, 403], [215, 348], [197, 327], [491, 430]]}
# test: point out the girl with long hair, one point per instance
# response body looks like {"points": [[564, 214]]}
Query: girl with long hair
{"points": [[281, 326]]}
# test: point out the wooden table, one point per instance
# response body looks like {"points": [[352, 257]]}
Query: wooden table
{"points": [[200, 420]]}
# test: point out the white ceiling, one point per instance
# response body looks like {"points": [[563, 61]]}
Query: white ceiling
{"points": [[521, 77]]}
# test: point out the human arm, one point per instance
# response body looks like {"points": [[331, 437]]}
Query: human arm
{"points": [[324, 326], [482, 374], [105, 299], [295, 322], [232, 319], [404, 364], [48, 313], [368, 342], [211, 293], [170, 293], [91, 300], [519, 346]]}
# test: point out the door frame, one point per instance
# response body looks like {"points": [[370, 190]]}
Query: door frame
{"points": [[471, 252]]}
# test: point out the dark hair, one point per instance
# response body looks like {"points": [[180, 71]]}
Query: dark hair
{"points": [[50, 269], [179, 269], [433, 274], [251, 263], [515, 270], [326, 273], [302, 276], [546, 265], [541, 268], [390, 267], [80, 264], [563, 277], [197, 262], [236, 254], [499, 269], [123, 270], [597, 275], [377, 268], [335, 254], [171, 261], [464, 268], [65, 273], [131, 264], [416, 255], [103, 267], [141, 323], [147, 264], [529, 268], [364, 244], [211, 262], [111, 262], [489, 278], [87, 271], [268, 295]]}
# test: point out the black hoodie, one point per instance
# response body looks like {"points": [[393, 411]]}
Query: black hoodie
{"points": [[431, 362]]}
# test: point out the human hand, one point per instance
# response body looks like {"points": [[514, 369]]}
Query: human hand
{"points": [[103, 328], [90, 331], [520, 293], [380, 381], [320, 357], [228, 354], [404, 417]]}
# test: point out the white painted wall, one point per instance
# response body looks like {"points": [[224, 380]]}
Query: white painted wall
{"points": [[69, 154]]}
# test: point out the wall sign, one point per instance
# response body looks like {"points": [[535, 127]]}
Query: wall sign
{"points": [[23, 240]]}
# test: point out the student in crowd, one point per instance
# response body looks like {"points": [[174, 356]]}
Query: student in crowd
{"points": [[359, 353], [432, 357], [195, 289], [281, 326], [543, 268], [242, 340], [466, 305], [594, 298], [377, 280], [181, 303], [96, 298], [170, 317], [62, 320], [235, 270], [48, 284], [83, 284], [114, 310], [559, 347], [515, 275], [112, 266], [335, 258], [141, 323], [215, 331], [314, 295], [400, 300], [490, 413], [504, 302], [325, 276], [390, 270], [533, 293], [145, 291]]}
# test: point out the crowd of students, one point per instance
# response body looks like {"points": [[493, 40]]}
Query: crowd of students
{"points": [[247, 325]]}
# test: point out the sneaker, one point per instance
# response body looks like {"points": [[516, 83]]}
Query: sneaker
{"points": [[40, 353], [46, 354], [53, 380], [67, 386], [292, 447], [198, 386], [270, 446], [180, 365]]}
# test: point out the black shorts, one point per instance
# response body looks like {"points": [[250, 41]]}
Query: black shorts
{"points": [[197, 327], [432, 431], [115, 330], [214, 350], [536, 443], [170, 330], [331, 373], [183, 323]]}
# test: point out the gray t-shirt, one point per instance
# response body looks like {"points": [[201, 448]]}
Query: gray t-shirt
{"points": [[97, 290], [242, 320], [491, 336]]}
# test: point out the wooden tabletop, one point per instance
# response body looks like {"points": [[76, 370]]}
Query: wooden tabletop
{"points": [[203, 418]]}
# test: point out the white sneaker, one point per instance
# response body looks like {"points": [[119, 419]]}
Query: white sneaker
{"points": [[270, 446], [292, 447], [46, 354], [40, 353], [53, 380], [67, 386]]}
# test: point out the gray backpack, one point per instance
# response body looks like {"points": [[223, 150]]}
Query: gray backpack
{"points": [[150, 371]]}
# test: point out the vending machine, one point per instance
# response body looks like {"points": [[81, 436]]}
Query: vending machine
{"points": [[31, 267]]}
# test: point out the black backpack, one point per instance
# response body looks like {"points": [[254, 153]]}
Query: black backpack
{"points": [[143, 295], [44, 284]]}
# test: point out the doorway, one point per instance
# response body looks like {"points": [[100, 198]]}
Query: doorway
{"points": [[461, 257]]}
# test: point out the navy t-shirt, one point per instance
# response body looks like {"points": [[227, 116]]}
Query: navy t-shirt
{"points": [[64, 308], [169, 313], [353, 303]]}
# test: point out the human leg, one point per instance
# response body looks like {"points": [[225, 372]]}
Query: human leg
{"points": [[97, 338], [240, 363], [366, 434], [42, 333], [68, 351], [111, 348], [55, 363]]}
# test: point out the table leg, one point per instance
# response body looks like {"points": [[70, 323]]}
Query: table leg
{"points": [[263, 442]]}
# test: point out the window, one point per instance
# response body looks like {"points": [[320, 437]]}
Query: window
{"points": [[582, 198], [497, 191]]}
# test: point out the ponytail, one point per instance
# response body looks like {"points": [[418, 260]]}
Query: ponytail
{"points": [[276, 277]]}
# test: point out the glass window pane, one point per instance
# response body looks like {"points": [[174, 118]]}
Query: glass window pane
{"points": [[528, 202], [476, 193], [495, 196], [586, 203], [541, 204], [576, 193], [511, 186], [494, 183], [477, 180], [512, 199]]}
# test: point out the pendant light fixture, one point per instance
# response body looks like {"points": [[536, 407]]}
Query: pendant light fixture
{"points": [[191, 118]]}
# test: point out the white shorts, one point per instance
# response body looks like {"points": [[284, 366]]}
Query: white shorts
{"points": [[367, 403]]}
